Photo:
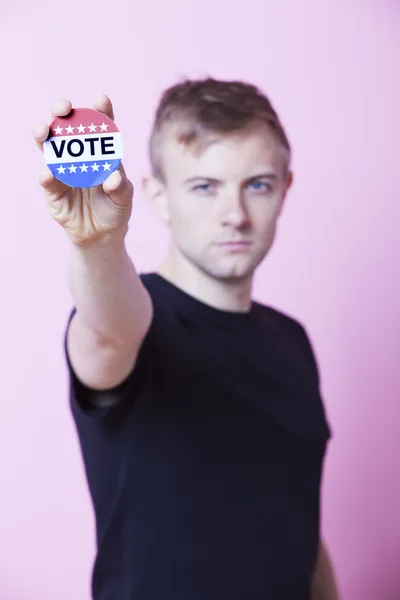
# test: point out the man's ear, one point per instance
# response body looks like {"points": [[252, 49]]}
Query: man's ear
{"points": [[155, 192], [287, 185], [289, 180]]}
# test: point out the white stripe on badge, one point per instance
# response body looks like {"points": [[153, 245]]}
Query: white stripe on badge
{"points": [[70, 148]]}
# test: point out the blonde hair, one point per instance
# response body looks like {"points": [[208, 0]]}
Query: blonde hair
{"points": [[199, 108]]}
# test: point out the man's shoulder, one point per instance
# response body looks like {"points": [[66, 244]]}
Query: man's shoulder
{"points": [[280, 318], [288, 326], [149, 279], [293, 329], [158, 290]]}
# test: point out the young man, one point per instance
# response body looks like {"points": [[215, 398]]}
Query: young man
{"points": [[198, 410]]}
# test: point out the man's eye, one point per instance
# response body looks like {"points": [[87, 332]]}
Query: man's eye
{"points": [[203, 187], [260, 186]]}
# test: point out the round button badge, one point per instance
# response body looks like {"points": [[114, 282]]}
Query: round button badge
{"points": [[84, 148]]}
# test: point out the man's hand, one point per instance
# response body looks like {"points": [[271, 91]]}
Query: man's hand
{"points": [[87, 215]]}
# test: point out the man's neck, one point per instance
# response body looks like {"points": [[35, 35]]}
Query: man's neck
{"points": [[228, 295]]}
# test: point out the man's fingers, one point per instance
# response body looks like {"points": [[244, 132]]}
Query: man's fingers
{"points": [[119, 188], [51, 184], [103, 104], [61, 108], [40, 134]]}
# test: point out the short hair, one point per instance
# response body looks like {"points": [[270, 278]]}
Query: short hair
{"points": [[198, 108]]}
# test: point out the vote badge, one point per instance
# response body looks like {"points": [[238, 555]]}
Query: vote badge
{"points": [[84, 148]]}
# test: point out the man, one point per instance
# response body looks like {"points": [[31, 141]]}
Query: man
{"points": [[198, 410]]}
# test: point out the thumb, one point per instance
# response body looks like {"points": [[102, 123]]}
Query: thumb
{"points": [[119, 188]]}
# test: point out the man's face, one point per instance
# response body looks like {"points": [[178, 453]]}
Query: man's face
{"points": [[222, 204]]}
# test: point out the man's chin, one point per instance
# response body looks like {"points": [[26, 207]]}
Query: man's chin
{"points": [[231, 273], [230, 269]]}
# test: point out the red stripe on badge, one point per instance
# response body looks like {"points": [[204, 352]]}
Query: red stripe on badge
{"points": [[82, 121]]}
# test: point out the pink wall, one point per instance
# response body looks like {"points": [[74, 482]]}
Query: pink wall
{"points": [[331, 68]]}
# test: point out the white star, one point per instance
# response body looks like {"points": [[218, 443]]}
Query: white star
{"points": [[69, 129], [92, 128], [95, 167], [104, 127], [83, 168], [58, 130], [72, 169], [106, 166], [81, 128], [61, 169]]}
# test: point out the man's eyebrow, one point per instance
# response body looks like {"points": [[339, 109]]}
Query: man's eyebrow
{"points": [[200, 178], [266, 175]]}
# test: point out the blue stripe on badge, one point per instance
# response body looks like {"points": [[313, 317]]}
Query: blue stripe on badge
{"points": [[84, 174]]}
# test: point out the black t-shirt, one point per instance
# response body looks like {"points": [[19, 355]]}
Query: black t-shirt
{"points": [[205, 477]]}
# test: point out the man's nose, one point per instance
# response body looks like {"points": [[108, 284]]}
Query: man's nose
{"points": [[234, 211]]}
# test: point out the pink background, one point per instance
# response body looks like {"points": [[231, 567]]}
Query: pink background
{"points": [[332, 69]]}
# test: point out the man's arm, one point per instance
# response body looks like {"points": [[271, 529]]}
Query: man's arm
{"points": [[113, 309], [324, 586], [114, 312]]}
